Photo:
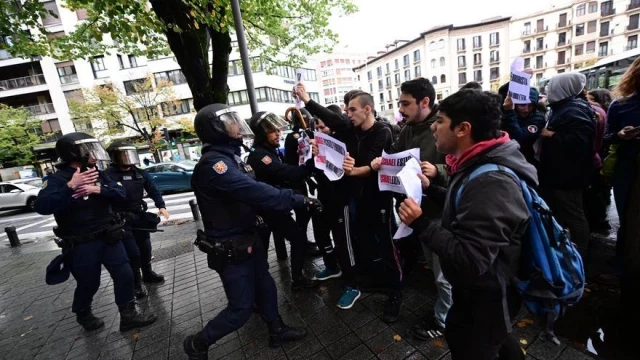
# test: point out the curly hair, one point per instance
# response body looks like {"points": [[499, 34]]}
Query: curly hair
{"points": [[630, 82]]}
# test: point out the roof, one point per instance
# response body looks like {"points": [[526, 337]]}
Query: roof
{"points": [[388, 53]]}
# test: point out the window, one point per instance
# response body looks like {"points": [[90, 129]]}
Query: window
{"points": [[369, 76], [120, 61], [632, 42], [381, 97], [382, 109], [477, 42], [55, 35], [432, 46], [380, 84], [604, 28], [539, 44], [494, 39], [417, 71], [132, 61], [81, 14], [396, 79], [591, 47], [606, 8], [407, 75], [581, 10], [477, 76], [49, 19], [462, 61], [370, 87], [397, 64], [603, 49], [540, 26], [562, 20], [592, 26], [67, 73], [461, 46], [379, 71], [527, 63], [176, 108], [494, 73], [527, 46], [633, 22], [441, 44], [133, 86], [462, 78], [477, 59], [388, 68], [145, 113], [433, 63], [442, 61], [494, 56], [579, 49], [538, 78], [527, 29], [416, 56], [98, 66], [174, 76], [539, 62], [434, 80], [593, 7], [562, 39], [443, 79], [388, 81], [579, 29], [405, 60], [74, 95]]}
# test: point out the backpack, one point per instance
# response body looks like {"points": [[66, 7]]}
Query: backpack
{"points": [[551, 275]]}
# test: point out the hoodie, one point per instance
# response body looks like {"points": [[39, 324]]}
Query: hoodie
{"points": [[566, 158], [478, 241]]}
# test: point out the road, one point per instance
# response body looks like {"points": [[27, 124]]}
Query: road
{"points": [[31, 225]]}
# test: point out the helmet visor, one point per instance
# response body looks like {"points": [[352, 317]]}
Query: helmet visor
{"points": [[125, 155], [235, 126], [271, 122], [92, 153]]}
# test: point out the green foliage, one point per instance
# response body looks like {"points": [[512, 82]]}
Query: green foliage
{"points": [[20, 133]]}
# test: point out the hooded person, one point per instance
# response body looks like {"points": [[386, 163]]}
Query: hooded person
{"points": [[523, 122], [566, 154]]}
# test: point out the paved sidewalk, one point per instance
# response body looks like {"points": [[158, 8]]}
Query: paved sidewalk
{"points": [[36, 319]]}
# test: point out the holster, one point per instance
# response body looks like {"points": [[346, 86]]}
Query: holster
{"points": [[113, 233], [221, 252]]}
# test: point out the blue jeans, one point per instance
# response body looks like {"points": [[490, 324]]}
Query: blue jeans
{"points": [[444, 301]]}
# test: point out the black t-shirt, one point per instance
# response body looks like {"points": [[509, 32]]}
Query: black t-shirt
{"points": [[371, 143]]}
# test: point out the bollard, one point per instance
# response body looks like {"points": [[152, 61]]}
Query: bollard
{"points": [[12, 235], [194, 209]]}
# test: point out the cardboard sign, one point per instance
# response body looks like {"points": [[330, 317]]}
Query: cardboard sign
{"points": [[331, 154], [391, 166], [519, 83], [304, 148], [299, 79], [412, 187]]}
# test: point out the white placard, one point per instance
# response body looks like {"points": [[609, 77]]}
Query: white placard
{"points": [[391, 166], [519, 83], [412, 187], [299, 79], [331, 154], [304, 148]]}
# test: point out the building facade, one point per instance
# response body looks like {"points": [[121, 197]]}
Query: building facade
{"points": [[44, 85], [336, 75]]}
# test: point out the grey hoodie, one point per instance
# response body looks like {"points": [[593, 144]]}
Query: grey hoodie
{"points": [[566, 85]]}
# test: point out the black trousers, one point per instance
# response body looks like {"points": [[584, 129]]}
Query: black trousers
{"points": [[282, 223]]}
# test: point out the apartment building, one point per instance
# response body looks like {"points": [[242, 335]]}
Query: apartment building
{"points": [[43, 85], [337, 76], [574, 35]]}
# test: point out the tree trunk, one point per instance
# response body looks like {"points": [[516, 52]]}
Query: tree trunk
{"points": [[191, 49]]}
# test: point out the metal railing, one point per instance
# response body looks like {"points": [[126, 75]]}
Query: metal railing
{"points": [[41, 109], [22, 82]]}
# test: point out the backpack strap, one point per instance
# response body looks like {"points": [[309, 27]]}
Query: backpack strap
{"points": [[479, 171]]}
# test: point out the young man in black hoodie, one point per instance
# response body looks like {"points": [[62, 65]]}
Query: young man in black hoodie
{"points": [[478, 240]]}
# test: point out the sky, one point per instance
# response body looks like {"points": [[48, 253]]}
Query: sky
{"points": [[379, 22]]}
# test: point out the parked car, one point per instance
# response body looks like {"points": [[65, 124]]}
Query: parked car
{"points": [[15, 196], [36, 181], [172, 176]]}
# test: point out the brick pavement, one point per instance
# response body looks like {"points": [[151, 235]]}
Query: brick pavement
{"points": [[36, 320]]}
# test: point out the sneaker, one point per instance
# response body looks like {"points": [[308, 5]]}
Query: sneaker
{"points": [[327, 274], [427, 329], [303, 283], [392, 308], [348, 298]]}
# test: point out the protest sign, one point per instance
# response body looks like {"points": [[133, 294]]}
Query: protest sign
{"points": [[331, 154], [304, 148], [391, 166], [412, 187], [299, 78], [519, 83]]}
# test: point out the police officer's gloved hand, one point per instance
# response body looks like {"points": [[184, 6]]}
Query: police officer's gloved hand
{"points": [[313, 205]]}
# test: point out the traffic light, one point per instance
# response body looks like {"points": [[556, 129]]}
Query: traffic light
{"points": [[165, 131]]}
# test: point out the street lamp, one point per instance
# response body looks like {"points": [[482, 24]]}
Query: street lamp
{"points": [[244, 55]]}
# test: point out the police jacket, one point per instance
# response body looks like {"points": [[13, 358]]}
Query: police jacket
{"points": [[270, 169], [291, 146], [135, 181], [77, 217], [228, 194]]}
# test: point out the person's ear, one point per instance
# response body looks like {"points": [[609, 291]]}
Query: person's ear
{"points": [[463, 129]]}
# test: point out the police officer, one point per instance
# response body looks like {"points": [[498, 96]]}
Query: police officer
{"points": [[137, 242], [270, 169], [229, 196], [79, 195]]}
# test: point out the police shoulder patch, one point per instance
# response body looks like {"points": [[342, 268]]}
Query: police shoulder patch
{"points": [[266, 160], [296, 135], [220, 167], [532, 129]]}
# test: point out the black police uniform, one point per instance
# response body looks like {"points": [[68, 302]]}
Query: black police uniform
{"points": [[229, 198], [138, 242]]}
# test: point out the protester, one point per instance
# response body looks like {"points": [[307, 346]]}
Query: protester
{"points": [[523, 123]]}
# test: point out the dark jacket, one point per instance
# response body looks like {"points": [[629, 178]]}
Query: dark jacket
{"points": [[135, 181], [270, 168], [478, 241], [525, 130], [371, 143]]}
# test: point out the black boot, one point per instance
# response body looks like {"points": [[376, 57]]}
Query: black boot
{"points": [[312, 249], [280, 333], [392, 307], [149, 276], [141, 290], [195, 348], [130, 317], [303, 282], [88, 320]]}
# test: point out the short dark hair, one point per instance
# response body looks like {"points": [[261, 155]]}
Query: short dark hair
{"points": [[364, 99], [348, 96], [419, 89], [335, 108], [471, 86], [479, 108], [602, 97]]}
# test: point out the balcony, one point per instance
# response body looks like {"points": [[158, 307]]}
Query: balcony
{"points": [[606, 33], [563, 25], [607, 12], [527, 32], [564, 43], [462, 66], [51, 136], [461, 50], [494, 61], [604, 53], [492, 45], [540, 66], [479, 64], [22, 82], [540, 48], [477, 48], [631, 28], [563, 62], [41, 109], [630, 47], [526, 50], [541, 30], [633, 5]]}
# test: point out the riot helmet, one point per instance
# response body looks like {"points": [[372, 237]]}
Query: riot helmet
{"points": [[219, 123], [123, 154], [263, 122], [83, 148]]}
